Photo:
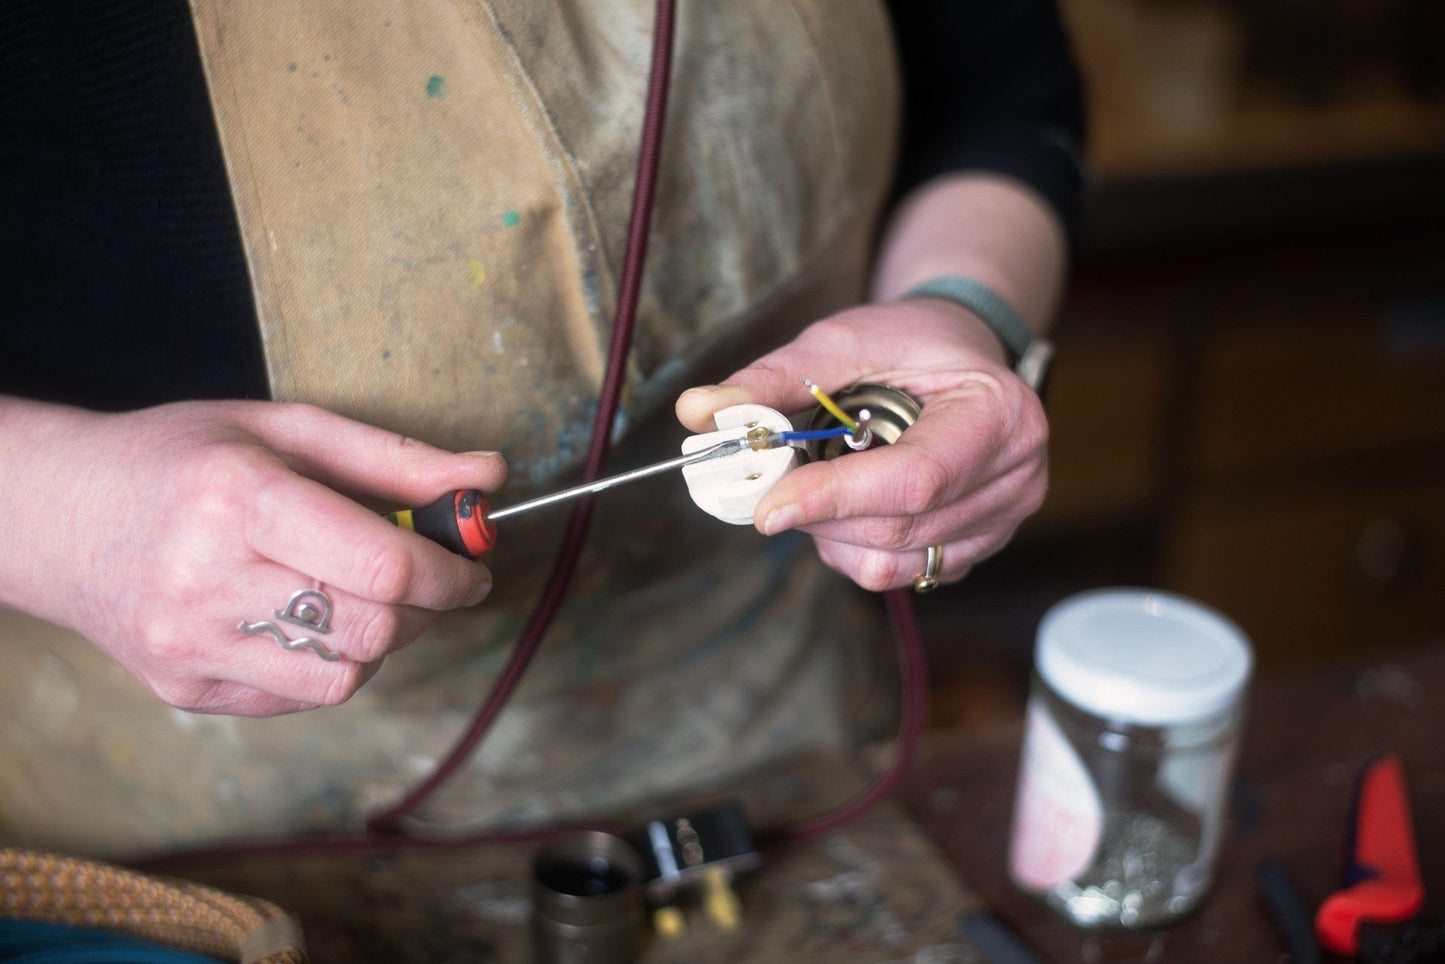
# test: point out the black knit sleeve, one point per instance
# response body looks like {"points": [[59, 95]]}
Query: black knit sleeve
{"points": [[991, 85], [123, 278]]}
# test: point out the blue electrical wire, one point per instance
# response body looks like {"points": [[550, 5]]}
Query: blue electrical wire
{"points": [[38, 942], [814, 434]]}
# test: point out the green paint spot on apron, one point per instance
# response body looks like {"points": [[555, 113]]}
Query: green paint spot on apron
{"points": [[436, 86]]}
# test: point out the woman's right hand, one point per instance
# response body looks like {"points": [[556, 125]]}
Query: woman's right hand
{"points": [[156, 533]]}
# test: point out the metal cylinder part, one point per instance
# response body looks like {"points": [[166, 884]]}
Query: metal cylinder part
{"points": [[587, 901], [890, 411]]}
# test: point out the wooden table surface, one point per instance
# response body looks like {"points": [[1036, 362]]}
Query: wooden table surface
{"points": [[883, 890], [1305, 740], [876, 891]]}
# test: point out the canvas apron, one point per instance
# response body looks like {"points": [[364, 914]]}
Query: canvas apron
{"points": [[433, 197]]}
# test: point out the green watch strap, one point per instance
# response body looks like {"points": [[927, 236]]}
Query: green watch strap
{"points": [[1030, 354]]}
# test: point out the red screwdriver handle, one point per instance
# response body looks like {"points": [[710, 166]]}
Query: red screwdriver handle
{"points": [[457, 521]]}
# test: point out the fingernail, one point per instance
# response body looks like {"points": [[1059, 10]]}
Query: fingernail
{"points": [[484, 453], [781, 519], [717, 396], [481, 591]]}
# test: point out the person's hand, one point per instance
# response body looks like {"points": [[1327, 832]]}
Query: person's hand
{"points": [[159, 531], [963, 476]]}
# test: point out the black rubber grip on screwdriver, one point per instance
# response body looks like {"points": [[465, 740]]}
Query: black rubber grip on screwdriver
{"points": [[457, 521]]}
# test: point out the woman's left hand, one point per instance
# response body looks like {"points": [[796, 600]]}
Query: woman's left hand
{"points": [[963, 477]]}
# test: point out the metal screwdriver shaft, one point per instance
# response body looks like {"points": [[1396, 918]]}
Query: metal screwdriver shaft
{"points": [[463, 521], [728, 447]]}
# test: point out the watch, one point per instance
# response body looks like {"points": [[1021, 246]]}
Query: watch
{"points": [[1029, 354]]}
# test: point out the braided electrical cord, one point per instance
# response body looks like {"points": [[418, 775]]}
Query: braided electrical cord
{"points": [[81, 893]]}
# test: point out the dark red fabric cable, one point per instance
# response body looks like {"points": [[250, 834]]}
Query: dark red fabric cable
{"points": [[914, 678], [913, 675], [649, 157]]}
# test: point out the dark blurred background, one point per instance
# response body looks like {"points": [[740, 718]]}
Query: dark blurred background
{"points": [[1248, 404]]}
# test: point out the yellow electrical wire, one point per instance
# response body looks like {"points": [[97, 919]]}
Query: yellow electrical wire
{"points": [[830, 405]]}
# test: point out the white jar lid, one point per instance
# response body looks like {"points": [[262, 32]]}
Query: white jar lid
{"points": [[1142, 656]]}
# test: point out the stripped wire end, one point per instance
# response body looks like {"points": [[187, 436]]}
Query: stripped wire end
{"points": [[862, 436], [829, 405]]}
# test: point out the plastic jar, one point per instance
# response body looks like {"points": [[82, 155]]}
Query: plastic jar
{"points": [[1133, 720]]}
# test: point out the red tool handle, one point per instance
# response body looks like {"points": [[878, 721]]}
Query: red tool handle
{"points": [[457, 521], [1389, 889]]}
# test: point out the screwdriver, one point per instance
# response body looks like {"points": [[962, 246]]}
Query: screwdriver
{"points": [[463, 521]]}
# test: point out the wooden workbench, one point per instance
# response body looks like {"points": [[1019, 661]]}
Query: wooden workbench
{"points": [[875, 891], [893, 887], [1306, 737]]}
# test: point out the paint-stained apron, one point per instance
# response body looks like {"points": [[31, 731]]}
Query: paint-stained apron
{"points": [[433, 197]]}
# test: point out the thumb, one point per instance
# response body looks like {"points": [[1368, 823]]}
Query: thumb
{"points": [[826, 354]]}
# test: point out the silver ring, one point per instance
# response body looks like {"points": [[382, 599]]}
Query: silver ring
{"points": [[927, 581], [308, 608]]}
